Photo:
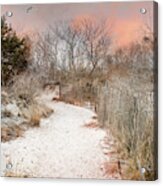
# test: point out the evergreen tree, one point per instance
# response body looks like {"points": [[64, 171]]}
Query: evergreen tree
{"points": [[15, 52]]}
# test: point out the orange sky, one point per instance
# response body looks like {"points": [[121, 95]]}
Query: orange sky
{"points": [[126, 19]]}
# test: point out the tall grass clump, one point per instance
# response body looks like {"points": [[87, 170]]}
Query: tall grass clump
{"points": [[129, 116]]}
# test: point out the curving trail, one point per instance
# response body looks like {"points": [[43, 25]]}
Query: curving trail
{"points": [[61, 147]]}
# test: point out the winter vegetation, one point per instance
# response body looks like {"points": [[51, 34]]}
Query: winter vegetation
{"points": [[118, 84], [20, 109]]}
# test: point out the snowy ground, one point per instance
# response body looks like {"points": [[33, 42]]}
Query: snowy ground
{"points": [[62, 147]]}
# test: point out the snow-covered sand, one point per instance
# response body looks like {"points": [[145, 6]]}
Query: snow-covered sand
{"points": [[61, 147]]}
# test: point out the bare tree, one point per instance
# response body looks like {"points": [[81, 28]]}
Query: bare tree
{"points": [[69, 39], [96, 40], [45, 52]]}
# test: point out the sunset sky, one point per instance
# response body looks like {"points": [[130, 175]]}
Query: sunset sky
{"points": [[125, 17]]}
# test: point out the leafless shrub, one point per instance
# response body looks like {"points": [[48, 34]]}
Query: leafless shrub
{"points": [[23, 93], [34, 112], [25, 88]]}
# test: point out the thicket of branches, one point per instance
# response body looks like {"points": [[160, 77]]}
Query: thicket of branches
{"points": [[73, 48], [74, 52]]}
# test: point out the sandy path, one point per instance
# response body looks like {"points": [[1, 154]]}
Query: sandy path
{"points": [[60, 148]]}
